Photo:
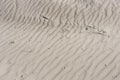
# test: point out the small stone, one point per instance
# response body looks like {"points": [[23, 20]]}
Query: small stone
{"points": [[12, 42]]}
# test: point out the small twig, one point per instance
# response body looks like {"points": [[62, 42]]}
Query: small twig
{"points": [[45, 17]]}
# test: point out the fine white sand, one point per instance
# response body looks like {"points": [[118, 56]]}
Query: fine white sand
{"points": [[59, 40]]}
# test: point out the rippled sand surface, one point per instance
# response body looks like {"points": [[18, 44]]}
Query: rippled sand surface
{"points": [[59, 40]]}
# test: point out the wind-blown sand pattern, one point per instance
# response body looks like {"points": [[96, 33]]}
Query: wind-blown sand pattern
{"points": [[59, 40]]}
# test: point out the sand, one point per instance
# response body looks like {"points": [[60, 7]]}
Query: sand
{"points": [[59, 40]]}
